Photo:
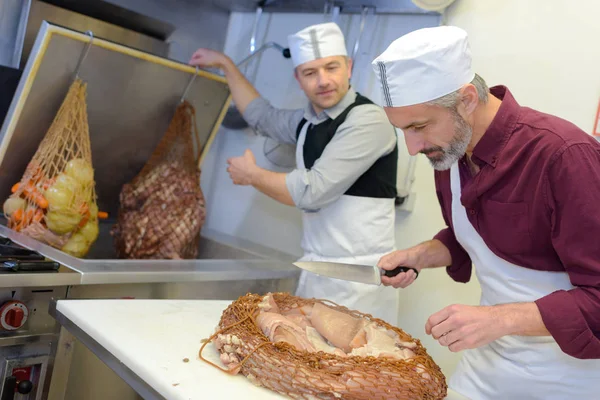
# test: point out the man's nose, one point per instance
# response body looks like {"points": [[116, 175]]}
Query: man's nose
{"points": [[414, 143], [323, 79]]}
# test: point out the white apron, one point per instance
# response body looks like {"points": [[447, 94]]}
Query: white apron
{"points": [[355, 230], [515, 367]]}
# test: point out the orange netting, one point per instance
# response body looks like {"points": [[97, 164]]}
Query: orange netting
{"points": [[283, 368], [55, 201], [162, 209]]}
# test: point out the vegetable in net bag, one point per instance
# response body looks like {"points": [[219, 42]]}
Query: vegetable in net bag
{"points": [[162, 209], [55, 201], [315, 349]]}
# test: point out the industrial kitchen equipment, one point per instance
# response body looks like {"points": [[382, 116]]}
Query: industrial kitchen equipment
{"points": [[131, 98]]}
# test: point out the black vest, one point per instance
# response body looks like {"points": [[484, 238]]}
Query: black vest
{"points": [[379, 181]]}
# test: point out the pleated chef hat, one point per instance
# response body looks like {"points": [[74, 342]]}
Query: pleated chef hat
{"points": [[424, 65], [317, 41]]}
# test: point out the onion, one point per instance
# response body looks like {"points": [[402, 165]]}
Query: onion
{"points": [[62, 221], [62, 192], [81, 170], [77, 246], [90, 231], [93, 211], [13, 204]]}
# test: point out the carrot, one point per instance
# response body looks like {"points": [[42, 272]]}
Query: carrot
{"points": [[15, 187], [85, 219], [37, 174], [18, 215], [34, 195], [48, 183], [39, 215], [28, 218], [102, 215], [17, 218]]}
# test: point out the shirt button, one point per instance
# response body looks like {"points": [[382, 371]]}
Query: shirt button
{"points": [[472, 211]]}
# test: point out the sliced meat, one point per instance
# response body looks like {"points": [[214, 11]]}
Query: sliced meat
{"points": [[301, 320], [268, 304], [280, 329], [305, 310], [320, 344], [359, 340], [337, 327], [380, 342]]}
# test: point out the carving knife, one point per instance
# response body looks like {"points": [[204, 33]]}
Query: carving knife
{"points": [[351, 272]]}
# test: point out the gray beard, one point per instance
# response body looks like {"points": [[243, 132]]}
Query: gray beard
{"points": [[457, 147]]}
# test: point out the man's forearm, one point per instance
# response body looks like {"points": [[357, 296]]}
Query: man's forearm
{"points": [[241, 89], [273, 185], [432, 254], [521, 319]]}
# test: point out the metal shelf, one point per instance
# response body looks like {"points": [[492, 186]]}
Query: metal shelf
{"points": [[318, 6]]}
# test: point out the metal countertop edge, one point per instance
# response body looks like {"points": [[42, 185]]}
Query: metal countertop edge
{"points": [[123, 371]]}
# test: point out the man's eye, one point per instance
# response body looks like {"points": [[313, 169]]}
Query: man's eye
{"points": [[419, 128]]}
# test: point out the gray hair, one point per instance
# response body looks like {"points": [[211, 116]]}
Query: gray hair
{"points": [[450, 100]]}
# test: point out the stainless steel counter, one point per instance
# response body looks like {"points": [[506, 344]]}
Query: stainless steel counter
{"points": [[259, 263]]}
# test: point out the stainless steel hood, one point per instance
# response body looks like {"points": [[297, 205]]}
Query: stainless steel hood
{"points": [[107, 21], [318, 6]]}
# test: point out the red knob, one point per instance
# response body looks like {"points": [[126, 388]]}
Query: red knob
{"points": [[14, 317]]}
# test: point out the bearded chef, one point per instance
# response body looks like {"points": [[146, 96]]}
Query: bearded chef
{"points": [[519, 191], [346, 157]]}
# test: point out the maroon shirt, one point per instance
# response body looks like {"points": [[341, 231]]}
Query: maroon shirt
{"points": [[536, 203]]}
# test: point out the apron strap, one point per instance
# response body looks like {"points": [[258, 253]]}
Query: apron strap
{"points": [[299, 129]]}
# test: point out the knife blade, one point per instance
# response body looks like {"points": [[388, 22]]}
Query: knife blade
{"points": [[351, 272]]}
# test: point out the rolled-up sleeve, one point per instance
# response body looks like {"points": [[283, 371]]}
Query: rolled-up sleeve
{"points": [[364, 137], [276, 123], [460, 269], [572, 192]]}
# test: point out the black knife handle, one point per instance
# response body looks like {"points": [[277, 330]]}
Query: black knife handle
{"points": [[397, 270]]}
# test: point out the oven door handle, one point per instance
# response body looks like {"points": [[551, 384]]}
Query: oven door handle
{"points": [[8, 390]]}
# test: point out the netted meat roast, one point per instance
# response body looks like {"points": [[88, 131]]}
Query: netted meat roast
{"points": [[311, 349], [162, 210]]}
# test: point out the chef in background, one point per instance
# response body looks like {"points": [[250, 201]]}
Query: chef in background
{"points": [[346, 157], [519, 192]]}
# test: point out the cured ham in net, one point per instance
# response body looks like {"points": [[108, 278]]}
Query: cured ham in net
{"points": [[310, 349]]}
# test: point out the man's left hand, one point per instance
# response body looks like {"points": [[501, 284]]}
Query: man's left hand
{"points": [[241, 169], [461, 327]]}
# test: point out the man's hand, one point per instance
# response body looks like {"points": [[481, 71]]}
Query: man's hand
{"points": [[241, 169], [429, 254], [209, 58], [242, 91], [244, 171], [461, 327], [406, 258]]}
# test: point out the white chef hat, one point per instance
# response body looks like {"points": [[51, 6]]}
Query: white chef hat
{"points": [[317, 41], [424, 65]]}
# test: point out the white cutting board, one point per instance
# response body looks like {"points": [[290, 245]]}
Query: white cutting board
{"points": [[152, 337]]}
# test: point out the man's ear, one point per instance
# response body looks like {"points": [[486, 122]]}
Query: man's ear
{"points": [[469, 98]]}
